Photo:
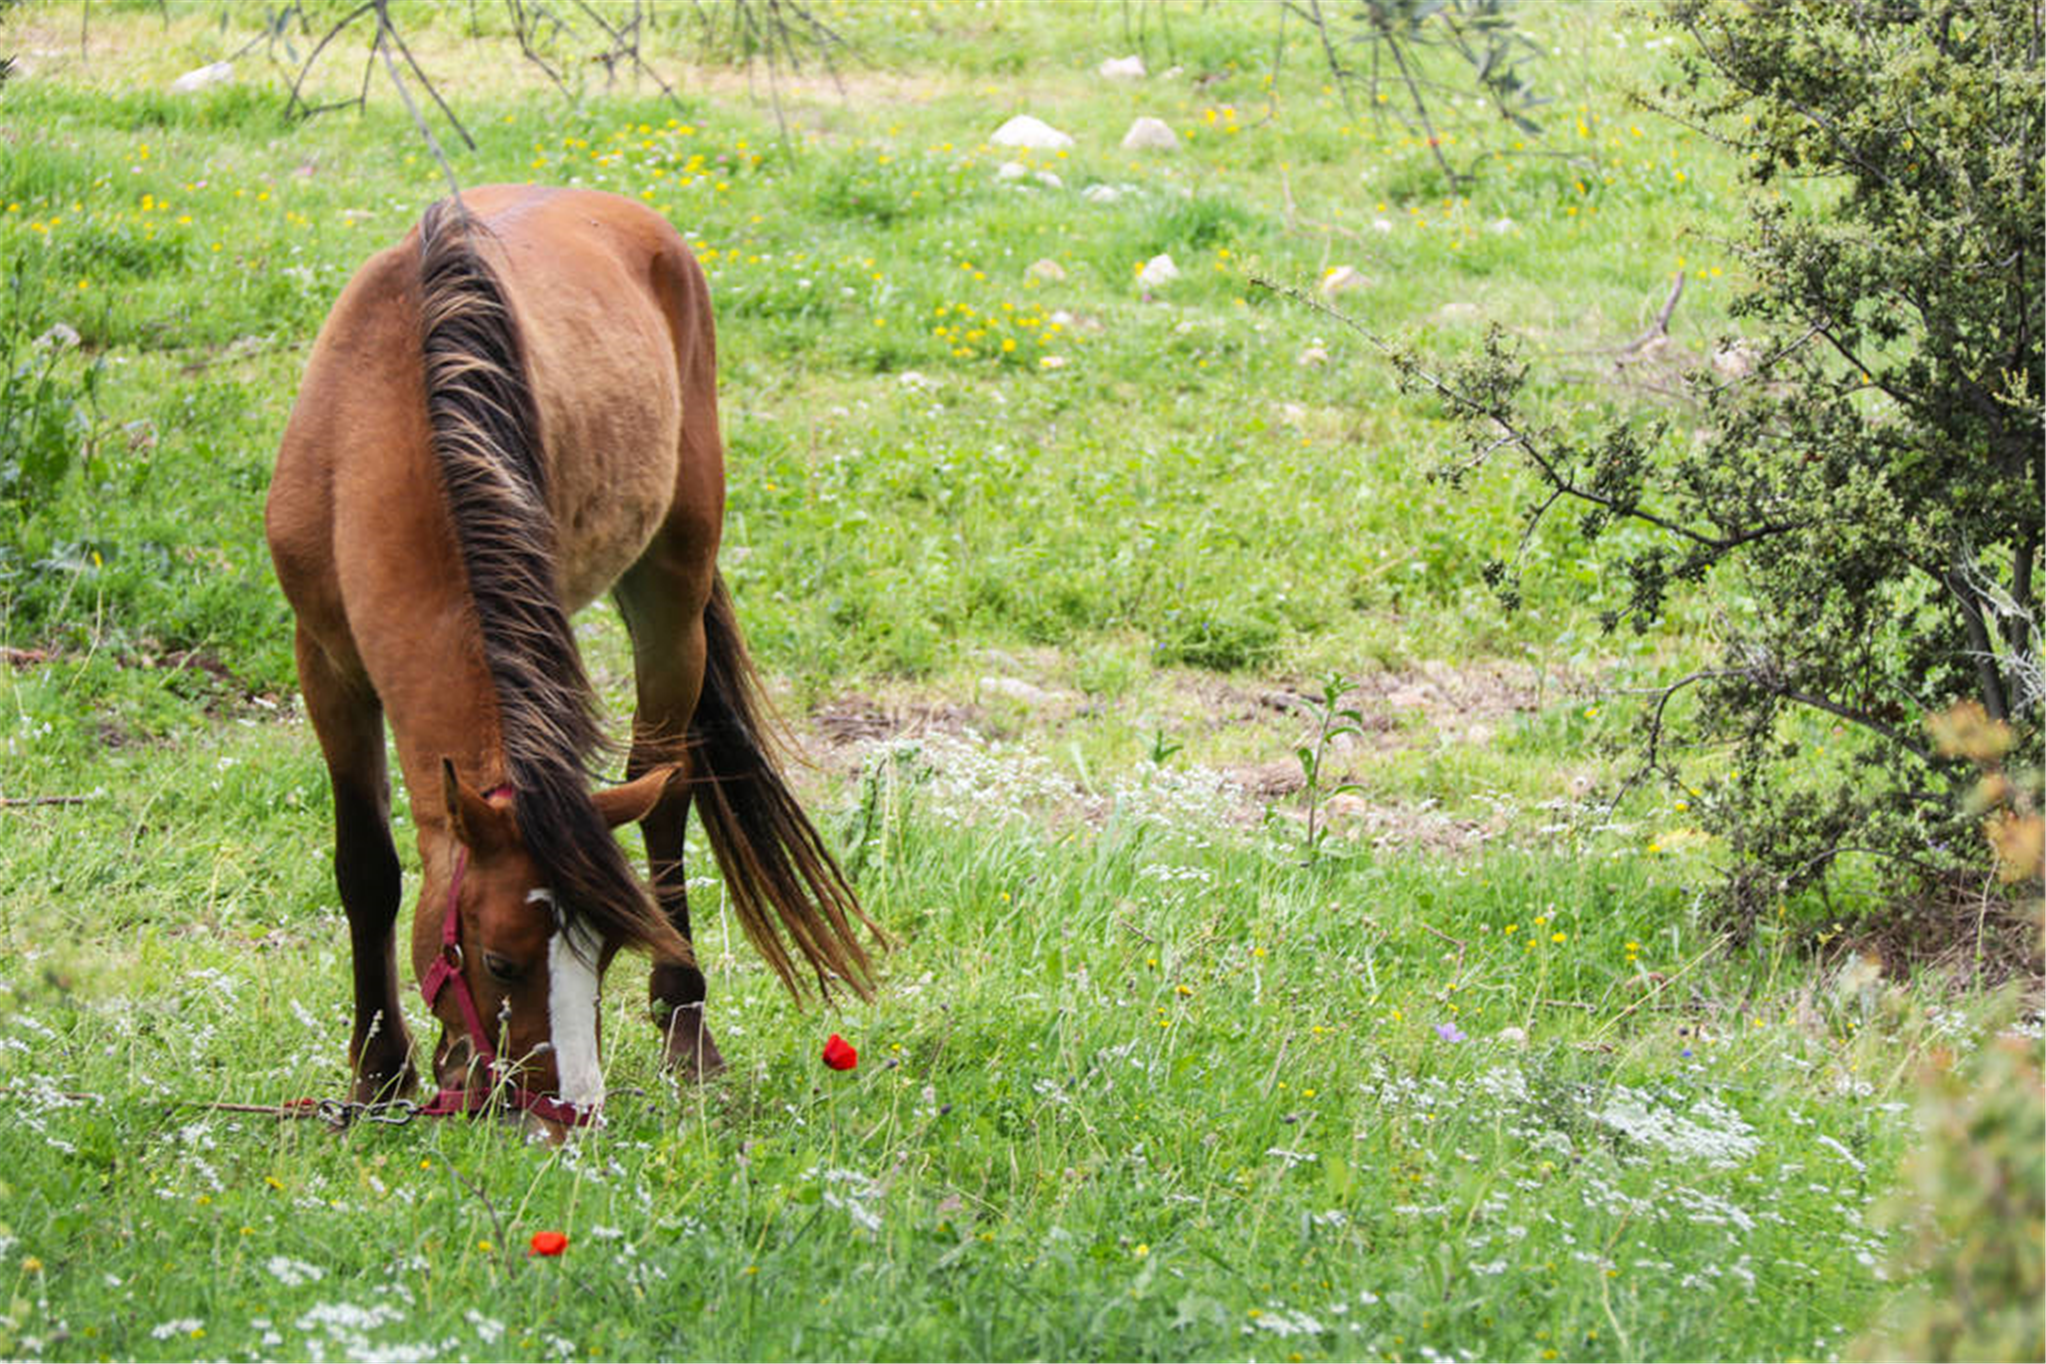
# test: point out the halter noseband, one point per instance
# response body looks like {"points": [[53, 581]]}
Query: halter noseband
{"points": [[447, 970]]}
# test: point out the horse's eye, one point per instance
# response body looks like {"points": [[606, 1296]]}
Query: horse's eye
{"points": [[502, 968]]}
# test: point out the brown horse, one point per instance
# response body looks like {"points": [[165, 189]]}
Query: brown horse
{"points": [[509, 412]]}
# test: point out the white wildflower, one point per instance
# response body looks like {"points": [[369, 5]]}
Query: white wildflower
{"points": [[291, 1273]]}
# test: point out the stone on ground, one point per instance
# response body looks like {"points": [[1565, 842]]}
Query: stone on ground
{"points": [[199, 77], [1157, 270], [1341, 280], [1026, 131], [1149, 134]]}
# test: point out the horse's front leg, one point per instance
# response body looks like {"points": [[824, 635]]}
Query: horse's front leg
{"points": [[350, 723], [667, 647]]}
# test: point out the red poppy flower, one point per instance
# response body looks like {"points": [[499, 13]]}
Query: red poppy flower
{"points": [[549, 1242], [839, 1054]]}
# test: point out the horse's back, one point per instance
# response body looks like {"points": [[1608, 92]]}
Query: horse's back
{"points": [[608, 302]]}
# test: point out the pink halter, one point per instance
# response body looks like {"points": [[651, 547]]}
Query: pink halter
{"points": [[446, 970]]}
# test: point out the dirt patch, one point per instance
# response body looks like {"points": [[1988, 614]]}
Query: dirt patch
{"points": [[858, 719], [1240, 734]]}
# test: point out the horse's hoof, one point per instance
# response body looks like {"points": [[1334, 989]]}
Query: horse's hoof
{"points": [[384, 1087], [691, 1054]]}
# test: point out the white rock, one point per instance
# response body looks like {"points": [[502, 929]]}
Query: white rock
{"points": [[199, 77], [1016, 689], [1025, 131], [1149, 134], [1011, 170], [1048, 179], [1047, 270], [1735, 360], [1313, 355], [1341, 280], [1101, 194], [1122, 69], [1157, 270]]}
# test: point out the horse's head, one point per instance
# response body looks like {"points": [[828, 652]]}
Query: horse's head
{"points": [[529, 969]]}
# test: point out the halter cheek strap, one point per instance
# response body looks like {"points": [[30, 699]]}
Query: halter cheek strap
{"points": [[446, 971]]}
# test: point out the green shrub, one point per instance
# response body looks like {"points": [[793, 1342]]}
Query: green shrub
{"points": [[1226, 639], [49, 411], [1858, 481]]}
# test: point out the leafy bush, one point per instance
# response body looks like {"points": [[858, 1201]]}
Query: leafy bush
{"points": [[49, 412], [1227, 638], [1860, 479]]}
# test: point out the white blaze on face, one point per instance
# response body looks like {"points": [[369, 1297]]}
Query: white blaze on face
{"points": [[572, 1012]]}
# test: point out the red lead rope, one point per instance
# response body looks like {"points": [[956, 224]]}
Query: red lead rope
{"points": [[447, 970]]}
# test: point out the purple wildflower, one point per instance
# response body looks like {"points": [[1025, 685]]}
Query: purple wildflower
{"points": [[1449, 1032]]}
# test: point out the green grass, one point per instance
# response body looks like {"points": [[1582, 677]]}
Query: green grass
{"points": [[1151, 1090], [1482, 1083]]}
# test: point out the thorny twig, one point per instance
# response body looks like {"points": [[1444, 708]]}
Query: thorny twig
{"points": [[432, 143], [482, 1195]]}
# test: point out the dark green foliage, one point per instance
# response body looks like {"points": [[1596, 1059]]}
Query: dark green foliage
{"points": [[1228, 638], [49, 413], [1860, 478]]}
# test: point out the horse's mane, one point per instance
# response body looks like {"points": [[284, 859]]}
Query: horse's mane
{"points": [[486, 442]]}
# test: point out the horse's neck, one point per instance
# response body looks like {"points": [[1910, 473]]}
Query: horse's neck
{"points": [[443, 708]]}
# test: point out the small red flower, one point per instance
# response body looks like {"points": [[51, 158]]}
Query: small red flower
{"points": [[549, 1242], [839, 1054]]}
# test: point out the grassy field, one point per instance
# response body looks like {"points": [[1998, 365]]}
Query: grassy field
{"points": [[1049, 570]]}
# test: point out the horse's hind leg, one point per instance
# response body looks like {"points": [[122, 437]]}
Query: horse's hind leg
{"points": [[662, 600], [350, 723]]}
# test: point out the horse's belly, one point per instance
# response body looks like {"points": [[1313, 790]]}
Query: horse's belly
{"points": [[608, 502], [613, 432]]}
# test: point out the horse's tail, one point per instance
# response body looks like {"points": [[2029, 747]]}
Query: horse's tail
{"points": [[776, 867]]}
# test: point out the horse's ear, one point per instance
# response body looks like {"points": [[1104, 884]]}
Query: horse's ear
{"points": [[480, 825], [636, 799]]}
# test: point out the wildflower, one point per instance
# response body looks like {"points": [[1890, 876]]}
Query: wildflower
{"points": [[839, 1054], [549, 1242], [1449, 1032]]}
